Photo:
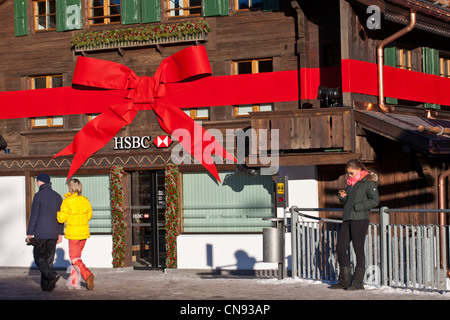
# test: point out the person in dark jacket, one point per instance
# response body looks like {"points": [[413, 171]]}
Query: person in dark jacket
{"points": [[360, 195], [44, 231]]}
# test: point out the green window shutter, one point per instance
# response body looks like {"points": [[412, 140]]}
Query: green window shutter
{"points": [[430, 66], [215, 8], [390, 59], [68, 15], [151, 11], [130, 12], [20, 18], [271, 5]]}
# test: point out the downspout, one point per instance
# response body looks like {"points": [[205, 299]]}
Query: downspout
{"points": [[442, 200], [380, 51]]}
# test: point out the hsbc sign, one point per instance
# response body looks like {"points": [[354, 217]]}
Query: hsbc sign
{"points": [[135, 142]]}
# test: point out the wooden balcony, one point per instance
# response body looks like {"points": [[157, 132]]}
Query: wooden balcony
{"points": [[306, 136]]}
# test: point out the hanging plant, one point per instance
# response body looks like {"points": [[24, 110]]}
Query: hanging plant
{"points": [[147, 33], [118, 223], [172, 214]]}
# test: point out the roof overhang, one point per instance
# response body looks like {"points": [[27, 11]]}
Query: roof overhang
{"points": [[404, 129]]}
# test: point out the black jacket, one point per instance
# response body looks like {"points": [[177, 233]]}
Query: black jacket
{"points": [[360, 198], [43, 223]]}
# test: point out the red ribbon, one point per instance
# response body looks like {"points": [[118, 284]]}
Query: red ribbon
{"points": [[183, 81], [361, 77], [175, 75]]}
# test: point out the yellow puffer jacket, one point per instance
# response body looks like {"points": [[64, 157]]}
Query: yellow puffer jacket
{"points": [[76, 211]]}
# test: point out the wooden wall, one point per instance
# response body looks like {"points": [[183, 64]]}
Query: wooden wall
{"points": [[242, 35], [406, 180]]}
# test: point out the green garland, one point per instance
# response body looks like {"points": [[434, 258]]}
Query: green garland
{"points": [[141, 34], [118, 223], [172, 214]]}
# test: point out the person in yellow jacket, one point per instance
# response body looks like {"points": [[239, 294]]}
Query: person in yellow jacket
{"points": [[76, 211]]}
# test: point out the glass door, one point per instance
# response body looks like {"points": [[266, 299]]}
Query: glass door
{"points": [[148, 220]]}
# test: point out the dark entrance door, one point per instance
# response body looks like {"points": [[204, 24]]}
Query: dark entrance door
{"points": [[147, 219]]}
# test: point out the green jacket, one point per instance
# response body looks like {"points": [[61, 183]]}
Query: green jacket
{"points": [[360, 198]]}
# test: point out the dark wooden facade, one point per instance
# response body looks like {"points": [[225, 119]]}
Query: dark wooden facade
{"points": [[301, 34]]}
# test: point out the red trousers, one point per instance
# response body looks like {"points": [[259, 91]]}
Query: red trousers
{"points": [[75, 249]]}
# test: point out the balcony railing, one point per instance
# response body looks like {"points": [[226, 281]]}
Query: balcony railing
{"points": [[144, 36]]}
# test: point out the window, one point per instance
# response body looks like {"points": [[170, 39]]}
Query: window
{"points": [[183, 8], [249, 67], [247, 4], [104, 11], [403, 58], [96, 189], [444, 67], [42, 82], [44, 15], [239, 204], [198, 113]]}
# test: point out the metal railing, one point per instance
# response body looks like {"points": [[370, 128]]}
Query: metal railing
{"points": [[406, 256]]}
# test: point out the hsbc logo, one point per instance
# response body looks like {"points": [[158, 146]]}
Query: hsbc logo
{"points": [[162, 141], [135, 142]]}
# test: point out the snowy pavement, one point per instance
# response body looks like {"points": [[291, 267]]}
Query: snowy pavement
{"points": [[194, 288]]}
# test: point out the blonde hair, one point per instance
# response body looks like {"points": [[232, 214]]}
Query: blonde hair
{"points": [[75, 186]]}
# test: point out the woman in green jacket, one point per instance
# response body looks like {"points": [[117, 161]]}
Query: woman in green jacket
{"points": [[358, 198]]}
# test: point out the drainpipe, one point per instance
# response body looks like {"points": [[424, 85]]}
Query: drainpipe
{"points": [[380, 50], [441, 194]]}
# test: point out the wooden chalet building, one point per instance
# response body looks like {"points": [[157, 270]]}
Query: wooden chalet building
{"points": [[221, 223]]}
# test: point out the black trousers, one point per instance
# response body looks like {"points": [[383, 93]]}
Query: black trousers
{"points": [[352, 231], [44, 255]]}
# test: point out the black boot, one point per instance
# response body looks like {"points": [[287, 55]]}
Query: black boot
{"points": [[345, 279], [358, 279]]}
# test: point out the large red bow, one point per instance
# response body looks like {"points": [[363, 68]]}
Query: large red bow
{"points": [[176, 73]]}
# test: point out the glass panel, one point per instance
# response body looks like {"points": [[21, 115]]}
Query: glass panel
{"points": [[174, 6], [148, 219], [244, 110], [40, 8], [40, 122], [52, 6], [56, 82], [244, 67], [243, 4], [266, 107], [193, 4], [239, 204], [256, 3], [39, 83], [96, 189], [203, 113], [265, 66], [57, 121]]}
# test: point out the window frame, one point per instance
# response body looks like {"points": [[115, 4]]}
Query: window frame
{"points": [[193, 113], [444, 66], [106, 17], [47, 14], [250, 7], [255, 69], [48, 84], [401, 62], [185, 8]]}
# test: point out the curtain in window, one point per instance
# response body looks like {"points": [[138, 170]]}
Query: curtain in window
{"points": [[239, 204]]}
